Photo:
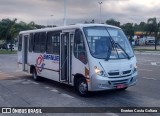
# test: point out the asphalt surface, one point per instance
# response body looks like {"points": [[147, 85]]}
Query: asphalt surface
{"points": [[17, 89]]}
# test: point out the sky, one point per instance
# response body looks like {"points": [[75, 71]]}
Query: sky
{"points": [[48, 12]]}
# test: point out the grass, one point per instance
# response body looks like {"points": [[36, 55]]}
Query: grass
{"points": [[7, 52], [146, 50]]}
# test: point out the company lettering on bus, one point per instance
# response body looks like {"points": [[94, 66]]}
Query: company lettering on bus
{"points": [[51, 57]]}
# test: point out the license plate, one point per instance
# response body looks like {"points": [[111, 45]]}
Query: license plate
{"points": [[120, 86]]}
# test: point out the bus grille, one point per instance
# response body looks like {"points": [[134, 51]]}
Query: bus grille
{"points": [[126, 72], [113, 73], [119, 74]]}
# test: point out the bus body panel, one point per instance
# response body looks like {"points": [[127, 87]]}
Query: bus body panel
{"points": [[45, 68]]}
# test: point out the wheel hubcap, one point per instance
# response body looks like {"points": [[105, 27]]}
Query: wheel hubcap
{"points": [[83, 88]]}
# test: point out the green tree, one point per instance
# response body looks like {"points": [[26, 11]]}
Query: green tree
{"points": [[140, 27], [128, 29], [153, 27], [113, 22], [7, 31]]}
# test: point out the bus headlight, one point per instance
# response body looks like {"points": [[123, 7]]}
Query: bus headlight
{"points": [[134, 69], [99, 72]]}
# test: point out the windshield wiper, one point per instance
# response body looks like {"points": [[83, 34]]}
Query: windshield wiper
{"points": [[120, 48], [114, 44]]}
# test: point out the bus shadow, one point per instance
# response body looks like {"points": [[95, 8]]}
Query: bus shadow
{"points": [[64, 88]]}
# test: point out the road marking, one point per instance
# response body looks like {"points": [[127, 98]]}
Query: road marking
{"points": [[17, 81], [147, 64], [54, 90], [145, 70], [35, 83], [4, 75], [18, 71], [142, 60], [149, 53], [9, 76], [150, 78], [66, 95], [47, 87], [26, 82], [153, 63]]}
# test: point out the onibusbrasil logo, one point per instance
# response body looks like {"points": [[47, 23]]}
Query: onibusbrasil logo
{"points": [[40, 64]]}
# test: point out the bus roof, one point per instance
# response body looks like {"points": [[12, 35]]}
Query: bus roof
{"points": [[66, 27]]}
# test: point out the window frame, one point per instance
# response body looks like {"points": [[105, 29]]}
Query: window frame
{"points": [[84, 47], [52, 50]]}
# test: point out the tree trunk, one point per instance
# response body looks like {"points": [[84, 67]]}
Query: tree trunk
{"points": [[11, 46], [155, 45], [155, 41]]}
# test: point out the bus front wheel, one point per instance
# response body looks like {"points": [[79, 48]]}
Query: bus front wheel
{"points": [[82, 87]]}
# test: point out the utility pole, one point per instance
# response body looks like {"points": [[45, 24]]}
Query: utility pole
{"points": [[100, 17], [53, 20], [65, 8]]}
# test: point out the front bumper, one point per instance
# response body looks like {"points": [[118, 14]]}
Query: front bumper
{"points": [[99, 83]]}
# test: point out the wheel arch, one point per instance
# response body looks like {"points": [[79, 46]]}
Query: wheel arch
{"points": [[32, 67], [77, 77]]}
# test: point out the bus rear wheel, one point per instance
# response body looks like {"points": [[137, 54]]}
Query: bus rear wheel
{"points": [[82, 87], [34, 75]]}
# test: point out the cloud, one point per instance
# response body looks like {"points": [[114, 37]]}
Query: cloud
{"points": [[79, 11]]}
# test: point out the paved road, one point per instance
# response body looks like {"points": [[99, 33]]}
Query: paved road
{"points": [[151, 47], [18, 89]]}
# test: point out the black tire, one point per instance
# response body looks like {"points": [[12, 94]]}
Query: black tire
{"points": [[82, 87], [35, 76]]}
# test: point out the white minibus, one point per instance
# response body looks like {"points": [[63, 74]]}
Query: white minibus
{"points": [[90, 57]]}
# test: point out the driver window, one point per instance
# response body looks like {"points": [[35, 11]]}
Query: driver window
{"points": [[79, 47]]}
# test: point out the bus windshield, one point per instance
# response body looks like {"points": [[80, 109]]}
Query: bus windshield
{"points": [[108, 43]]}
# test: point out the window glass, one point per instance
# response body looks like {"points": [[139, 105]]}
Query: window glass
{"points": [[20, 43], [31, 42], [53, 42], [39, 42], [79, 47], [108, 43], [36, 43], [42, 38]]}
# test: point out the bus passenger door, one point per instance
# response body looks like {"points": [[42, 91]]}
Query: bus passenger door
{"points": [[25, 53], [65, 58]]}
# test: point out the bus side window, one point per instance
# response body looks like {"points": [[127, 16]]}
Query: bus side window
{"points": [[31, 42], [53, 43], [79, 47], [39, 42], [20, 43], [42, 38], [36, 43]]}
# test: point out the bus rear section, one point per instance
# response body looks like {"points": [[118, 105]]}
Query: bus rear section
{"points": [[90, 57]]}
